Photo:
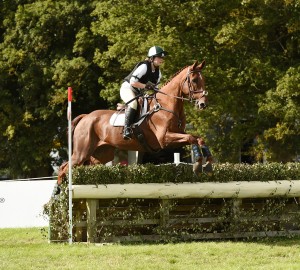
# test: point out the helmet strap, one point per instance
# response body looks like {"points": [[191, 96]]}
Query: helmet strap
{"points": [[154, 64]]}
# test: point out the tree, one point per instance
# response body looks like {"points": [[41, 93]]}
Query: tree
{"points": [[251, 48], [42, 53], [256, 45]]}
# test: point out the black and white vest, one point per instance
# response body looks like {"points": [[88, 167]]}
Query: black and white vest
{"points": [[148, 77]]}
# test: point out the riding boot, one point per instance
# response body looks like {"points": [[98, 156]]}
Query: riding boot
{"points": [[129, 117]]}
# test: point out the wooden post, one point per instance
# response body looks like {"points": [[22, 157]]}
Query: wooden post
{"points": [[91, 207], [164, 213], [236, 207], [78, 231]]}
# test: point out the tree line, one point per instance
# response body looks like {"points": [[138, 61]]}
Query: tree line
{"points": [[251, 48]]}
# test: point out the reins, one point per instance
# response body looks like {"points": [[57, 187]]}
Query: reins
{"points": [[190, 87], [157, 107], [187, 79]]}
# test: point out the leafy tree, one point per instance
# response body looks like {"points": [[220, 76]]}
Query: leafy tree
{"points": [[251, 48], [256, 44], [42, 53]]}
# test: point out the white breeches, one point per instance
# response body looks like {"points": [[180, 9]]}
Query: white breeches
{"points": [[128, 94]]}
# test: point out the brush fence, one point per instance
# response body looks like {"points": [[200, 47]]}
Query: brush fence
{"points": [[185, 211]]}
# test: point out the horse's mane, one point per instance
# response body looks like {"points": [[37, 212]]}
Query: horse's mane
{"points": [[174, 75]]}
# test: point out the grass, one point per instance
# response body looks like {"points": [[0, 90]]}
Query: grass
{"points": [[29, 249]]}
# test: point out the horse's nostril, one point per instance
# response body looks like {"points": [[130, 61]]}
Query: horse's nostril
{"points": [[202, 105]]}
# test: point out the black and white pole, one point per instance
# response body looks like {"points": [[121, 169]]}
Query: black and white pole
{"points": [[70, 161]]}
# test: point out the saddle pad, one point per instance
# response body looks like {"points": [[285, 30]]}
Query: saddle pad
{"points": [[117, 119]]}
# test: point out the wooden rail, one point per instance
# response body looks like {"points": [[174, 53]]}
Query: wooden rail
{"points": [[255, 189]]}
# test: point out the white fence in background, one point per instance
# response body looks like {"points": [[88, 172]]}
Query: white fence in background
{"points": [[21, 203]]}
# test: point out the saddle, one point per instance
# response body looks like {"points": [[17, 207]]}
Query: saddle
{"points": [[118, 118]]}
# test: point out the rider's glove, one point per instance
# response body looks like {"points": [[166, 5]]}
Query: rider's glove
{"points": [[150, 88]]}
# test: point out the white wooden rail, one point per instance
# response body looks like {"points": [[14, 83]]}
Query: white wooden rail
{"points": [[243, 189]]}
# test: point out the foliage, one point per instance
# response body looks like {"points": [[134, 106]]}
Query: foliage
{"points": [[149, 173], [251, 47], [37, 64]]}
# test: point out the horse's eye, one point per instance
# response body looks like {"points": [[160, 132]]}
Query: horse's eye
{"points": [[195, 80]]}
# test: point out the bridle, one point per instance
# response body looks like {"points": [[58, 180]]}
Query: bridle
{"points": [[191, 87]]}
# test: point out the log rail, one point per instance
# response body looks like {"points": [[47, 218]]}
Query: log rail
{"points": [[254, 189]]}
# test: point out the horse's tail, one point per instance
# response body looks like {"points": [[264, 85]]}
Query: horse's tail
{"points": [[75, 121]]}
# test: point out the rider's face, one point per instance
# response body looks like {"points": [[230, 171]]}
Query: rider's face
{"points": [[157, 61]]}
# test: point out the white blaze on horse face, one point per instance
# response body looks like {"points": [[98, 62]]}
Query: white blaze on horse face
{"points": [[201, 79]]}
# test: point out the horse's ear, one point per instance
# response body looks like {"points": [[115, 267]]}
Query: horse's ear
{"points": [[195, 65], [202, 65]]}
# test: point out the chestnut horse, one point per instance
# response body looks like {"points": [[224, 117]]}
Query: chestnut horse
{"points": [[95, 139]]}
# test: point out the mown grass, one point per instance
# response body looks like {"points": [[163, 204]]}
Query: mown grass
{"points": [[29, 249]]}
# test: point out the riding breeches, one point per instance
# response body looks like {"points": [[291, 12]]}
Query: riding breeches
{"points": [[128, 94]]}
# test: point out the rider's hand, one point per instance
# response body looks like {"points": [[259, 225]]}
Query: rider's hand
{"points": [[150, 88]]}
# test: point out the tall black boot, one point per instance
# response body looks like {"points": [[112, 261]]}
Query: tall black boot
{"points": [[129, 117]]}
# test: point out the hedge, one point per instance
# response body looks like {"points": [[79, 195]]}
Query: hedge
{"points": [[149, 173]]}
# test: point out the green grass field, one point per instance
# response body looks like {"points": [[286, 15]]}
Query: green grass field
{"points": [[29, 249]]}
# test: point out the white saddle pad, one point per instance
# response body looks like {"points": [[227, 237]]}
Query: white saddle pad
{"points": [[117, 119]]}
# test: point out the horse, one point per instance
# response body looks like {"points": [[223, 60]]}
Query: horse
{"points": [[163, 126]]}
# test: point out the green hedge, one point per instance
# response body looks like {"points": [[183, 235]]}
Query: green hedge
{"points": [[149, 173]]}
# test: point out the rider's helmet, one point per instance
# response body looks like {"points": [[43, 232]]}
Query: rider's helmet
{"points": [[157, 51]]}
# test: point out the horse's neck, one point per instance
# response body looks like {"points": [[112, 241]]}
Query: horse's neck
{"points": [[173, 96]]}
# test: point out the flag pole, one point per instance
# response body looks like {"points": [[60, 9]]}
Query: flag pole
{"points": [[70, 161]]}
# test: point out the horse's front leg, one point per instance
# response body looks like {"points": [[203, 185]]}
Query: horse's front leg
{"points": [[172, 138]]}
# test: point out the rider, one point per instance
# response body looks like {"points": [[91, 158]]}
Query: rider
{"points": [[145, 76]]}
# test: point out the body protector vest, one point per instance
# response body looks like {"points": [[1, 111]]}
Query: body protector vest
{"points": [[148, 77]]}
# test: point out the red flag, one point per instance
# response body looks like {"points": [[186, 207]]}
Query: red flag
{"points": [[69, 93]]}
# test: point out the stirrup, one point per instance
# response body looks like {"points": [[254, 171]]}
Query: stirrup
{"points": [[127, 135]]}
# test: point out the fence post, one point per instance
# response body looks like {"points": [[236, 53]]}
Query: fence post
{"points": [[91, 207], [236, 207], [164, 213]]}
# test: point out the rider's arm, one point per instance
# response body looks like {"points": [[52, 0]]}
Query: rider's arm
{"points": [[138, 85], [137, 74]]}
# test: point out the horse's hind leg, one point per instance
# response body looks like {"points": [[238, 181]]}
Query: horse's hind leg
{"points": [[75, 161], [62, 172], [103, 154]]}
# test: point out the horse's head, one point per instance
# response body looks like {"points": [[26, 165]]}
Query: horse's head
{"points": [[193, 85]]}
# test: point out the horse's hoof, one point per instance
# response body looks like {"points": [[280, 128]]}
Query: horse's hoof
{"points": [[197, 168], [207, 168]]}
